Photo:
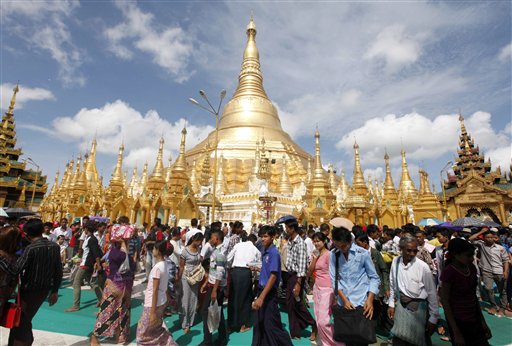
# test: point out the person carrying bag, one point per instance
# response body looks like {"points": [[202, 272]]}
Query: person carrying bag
{"points": [[356, 284], [351, 326]]}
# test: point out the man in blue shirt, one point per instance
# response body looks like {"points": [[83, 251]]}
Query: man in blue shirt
{"points": [[358, 282], [268, 329]]}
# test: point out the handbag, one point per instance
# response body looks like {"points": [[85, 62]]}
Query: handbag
{"points": [[12, 312], [196, 275], [351, 326], [125, 267], [409, 325], [213, 316]]}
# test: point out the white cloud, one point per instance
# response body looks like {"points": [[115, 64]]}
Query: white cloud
{"points": [[501, 157], [350, 98], [26, 94], [396, 47], [48, 32], [170, 47], [117, 123], [506, 53], [421, 137]]}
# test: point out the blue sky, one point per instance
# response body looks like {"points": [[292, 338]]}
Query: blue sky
{"points": [[389, 74]]}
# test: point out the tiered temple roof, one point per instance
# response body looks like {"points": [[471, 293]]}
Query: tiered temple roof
{"points": [[19, 186]]}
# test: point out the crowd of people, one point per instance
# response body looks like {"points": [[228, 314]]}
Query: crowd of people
{"points": [[396, 278]]}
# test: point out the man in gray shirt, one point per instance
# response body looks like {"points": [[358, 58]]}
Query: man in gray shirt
{"points": [[493, 266]]}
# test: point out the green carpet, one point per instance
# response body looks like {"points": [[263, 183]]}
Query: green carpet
{"points": [[81, 323]]}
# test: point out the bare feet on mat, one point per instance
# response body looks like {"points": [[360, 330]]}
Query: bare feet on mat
{"points": [[72, 309], [94, 341], [244, 329], [312, 337]]}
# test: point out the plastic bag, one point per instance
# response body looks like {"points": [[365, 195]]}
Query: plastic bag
{"points": [[214, 316]]}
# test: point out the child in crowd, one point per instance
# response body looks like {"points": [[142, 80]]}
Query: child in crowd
{"points": [[151, 329], [60, 242], [172, 270]]}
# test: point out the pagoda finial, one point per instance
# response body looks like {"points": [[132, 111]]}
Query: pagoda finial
{"points": [[13, 99], [117, 176], [388, 182], [158, 171], [407, 188], [205, 177], [181, 163], [220, 188], [285, 187], [193, 177], [250, 80], [133, 181], [332, 179], [144, 178], [358, 178], [55, 186], [318, 171]]}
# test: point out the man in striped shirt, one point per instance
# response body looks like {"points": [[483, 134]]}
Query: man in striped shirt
{"points": [[296, 264], [40, 271]]}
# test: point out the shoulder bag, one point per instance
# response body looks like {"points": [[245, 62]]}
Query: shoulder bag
{"points": [[196, 275], [12, 312], [408, 325], [350, 326]]}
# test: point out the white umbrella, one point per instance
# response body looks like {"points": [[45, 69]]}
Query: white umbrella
{"points": [[3, 213]]}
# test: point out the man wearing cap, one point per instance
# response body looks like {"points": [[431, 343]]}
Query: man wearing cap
{"points": [[296, 264]]}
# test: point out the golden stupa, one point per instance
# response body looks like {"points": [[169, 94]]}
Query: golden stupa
{"points": [[263, 174]]}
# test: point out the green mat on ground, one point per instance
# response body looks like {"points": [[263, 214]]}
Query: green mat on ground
{"points": [[81, 323]]}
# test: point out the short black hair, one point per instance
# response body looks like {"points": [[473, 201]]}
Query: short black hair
{"points": [[252, 238], [33, 227], [175, 232], [341, 234], [219, 234], [164, 247], [292, 224], [324, 227], [370, 229], [364, 238], [193, 222], [269, 230], [48, 224], [445, 232]]}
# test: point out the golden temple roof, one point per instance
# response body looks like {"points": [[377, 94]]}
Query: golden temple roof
{"points": [[406, 191]]}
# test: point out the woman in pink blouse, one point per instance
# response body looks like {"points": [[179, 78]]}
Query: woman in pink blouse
{"points": [[323, 294]]}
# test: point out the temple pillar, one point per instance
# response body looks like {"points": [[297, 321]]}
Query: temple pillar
{"points": [[132, 216], [143, 216]]}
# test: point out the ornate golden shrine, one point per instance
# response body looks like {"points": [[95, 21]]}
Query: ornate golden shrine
{"points": [[257, 162]]}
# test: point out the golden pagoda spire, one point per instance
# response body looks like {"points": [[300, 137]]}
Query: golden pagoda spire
{"points": [[309, 174], [65, 179], [159, 171], [168, 170], [90, 169], [16, 89], [181, 165], [332, 179], [144, 178], [318, 172], [427, 183], [204, 179], [76, 175], [81, 183], [250, 80], [117, 176], [358, 178], [55, 186], [133, 181], [388, 182], [125, 179], [421, 190], [407, 188], [345, 188], [285, 187]]}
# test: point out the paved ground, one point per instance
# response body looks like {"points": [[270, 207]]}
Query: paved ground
{"points": [[54, 327]]}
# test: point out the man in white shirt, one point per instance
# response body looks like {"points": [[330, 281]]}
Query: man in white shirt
{"points": [[243, 256], [192, 230], [412, 281], [67, 233], [310, 247]]}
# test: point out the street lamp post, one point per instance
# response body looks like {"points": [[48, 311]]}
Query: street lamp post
{"points": [[448, 165], [35, 182], [215, 112]]}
